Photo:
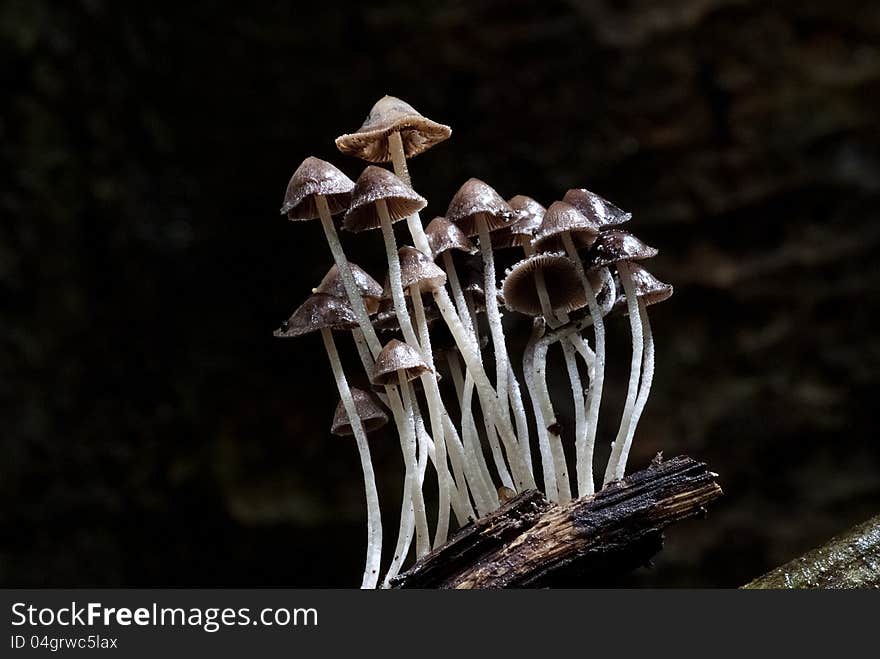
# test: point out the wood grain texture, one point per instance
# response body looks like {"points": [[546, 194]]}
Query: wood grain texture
{"points": [[529, 542]]}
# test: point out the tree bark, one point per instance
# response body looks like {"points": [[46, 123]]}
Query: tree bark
{"points": [[850, 560], [529, 542]]}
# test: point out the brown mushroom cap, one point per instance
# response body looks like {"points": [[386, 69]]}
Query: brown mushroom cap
{"points": [[563, 218], [371, 415], [614, 245], [599, 210], [443, 236], [390, 114], [386, 317], [369, 288], [319, 311], [649, 289], [527, 214], [419, 271], [374, 184], [398, 356], [316, 177], [561, 277], [474, 200]]}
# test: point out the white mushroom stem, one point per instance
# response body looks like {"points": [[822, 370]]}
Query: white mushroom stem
{"points": [[519, 415], [432, 395], [485, 495], [635, 326], [457, 293], [423, 544], [644, 391], [374, 519], [551, 488], [563, 485], [580, 403], [354, 295], [406, 434], [488, 398], [584, 457]]}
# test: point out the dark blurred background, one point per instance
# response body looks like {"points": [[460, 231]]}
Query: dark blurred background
{"points": [[154, 433]]}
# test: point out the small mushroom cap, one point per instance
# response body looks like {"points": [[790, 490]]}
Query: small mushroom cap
{"points": [[560, 275], [443, 236], [474, 200], [371, 415], [614, 245], [386, 317], [563, 218], [316, 177], [601, 211], [390, 114], [398, 356], [369, 288], [649, 289], [375, 184], [319, 311], [419, 271], [527, 214]]}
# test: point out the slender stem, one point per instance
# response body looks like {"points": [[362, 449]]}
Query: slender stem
{"points": [[551, 489], [635, 325], [374, 519], [580, 404], [585, 458], [493, 314], [554, 318], [422, 543], [354, 295], [644, 391], [519, 415], [485, 496], [444, 479], [559, 466], [457, 293]]}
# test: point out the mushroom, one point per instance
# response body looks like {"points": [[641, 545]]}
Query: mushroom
{"points": [[560, 292], [601, 211], [325, 313], [420, 275], [393, 129], [619, 248], [368, 288], [371, 415], [397, 364], [648, 290], [477, 209], [563, 225]]}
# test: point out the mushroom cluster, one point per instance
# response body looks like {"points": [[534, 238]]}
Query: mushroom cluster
{"points": [[441, 307]]}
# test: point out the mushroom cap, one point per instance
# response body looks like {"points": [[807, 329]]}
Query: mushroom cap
{"points": [[375, 184], [615, 245], [398, 356], [443, 236], [386, 317], [601, 211], [562, 218], [318, 312], [419, 271], [390, 114], [563, 285], [649, 289], [316, 177], [371, 415], [527, 214], [369, 288], [477, 199]]}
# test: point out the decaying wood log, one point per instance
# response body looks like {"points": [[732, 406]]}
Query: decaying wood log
{"points": [[850, 560], [529, 542]]}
